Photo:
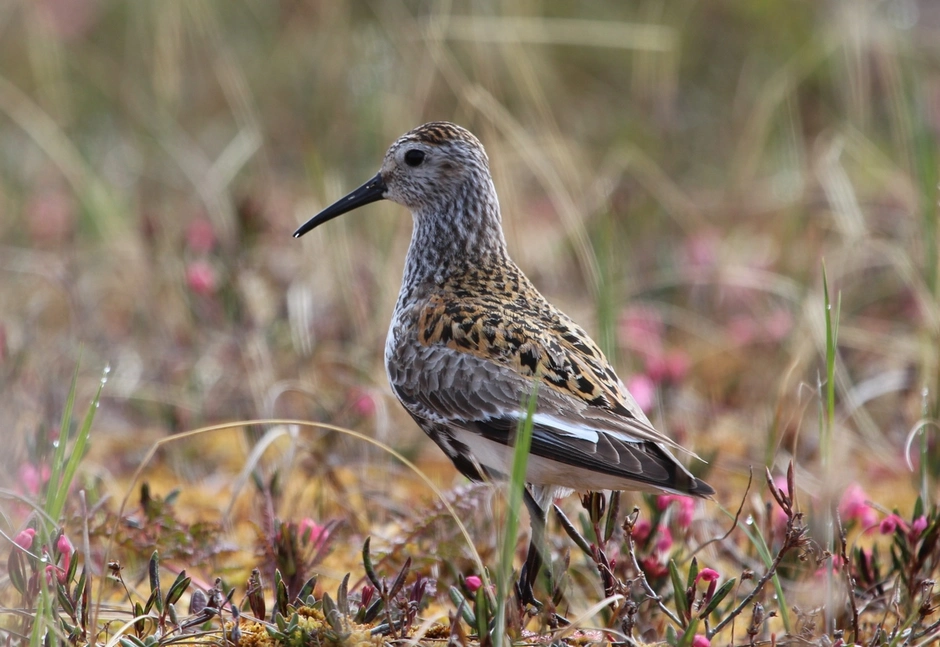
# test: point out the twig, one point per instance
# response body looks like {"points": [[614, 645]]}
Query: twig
{"points": [[791, 541], [631, 550], [849, 580], [737, 516]]}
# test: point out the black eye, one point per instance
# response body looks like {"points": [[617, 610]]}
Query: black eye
{"points": [[414, 157]]}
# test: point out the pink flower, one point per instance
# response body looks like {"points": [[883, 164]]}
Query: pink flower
{"points": [[707, 575], [641, 327], [32, 478], [643, 391], [701, 641], [311, 532], [24, 538], [641, 531], [201, 277], [52, 575], [853, 506], [779, 324], [363, 403], [200, 236], [918, 527], [890, 523], [670, 367], [664, 540], [65, 548], [686, 507], [654, 566], [473, 583]]}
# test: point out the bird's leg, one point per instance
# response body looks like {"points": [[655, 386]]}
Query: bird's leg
{"points": [[533, 560]]}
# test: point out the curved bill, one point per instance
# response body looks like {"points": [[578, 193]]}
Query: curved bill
{"points": [[371, 191]]}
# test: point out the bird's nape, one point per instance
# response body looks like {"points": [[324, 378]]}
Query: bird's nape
{"points": [[372, 191]]}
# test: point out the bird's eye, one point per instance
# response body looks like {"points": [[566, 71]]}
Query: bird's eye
{"points": [[414, 157]]}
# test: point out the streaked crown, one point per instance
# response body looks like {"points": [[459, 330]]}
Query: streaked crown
{"points": [[435, 165]]}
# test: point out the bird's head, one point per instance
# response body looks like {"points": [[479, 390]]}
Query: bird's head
{"points": [[437, 170]]}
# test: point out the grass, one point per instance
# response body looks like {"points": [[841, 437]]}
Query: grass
{"points": [[670, 175]]}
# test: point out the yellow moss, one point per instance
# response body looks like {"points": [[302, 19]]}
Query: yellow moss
{"points": [[312, 629]]}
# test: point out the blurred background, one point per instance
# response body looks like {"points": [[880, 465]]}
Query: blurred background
{"points": [[672, 175]]}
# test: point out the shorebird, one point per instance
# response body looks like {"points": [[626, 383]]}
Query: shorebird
{"points": [[471, 338]]}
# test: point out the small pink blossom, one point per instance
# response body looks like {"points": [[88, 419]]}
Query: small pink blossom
{"points": [[641, 327], [664, 539], [200, 236], [918, 526], [24, 538], [363, 403], [670, 367], [685, 506], [654, 566], [701, 641], [890, 524], [641, 530], [201, 278], [65, 548], [311, 532], [473, 583], [853, 506], [779, 324], [643, 391], [707, 575], [32, 478]]}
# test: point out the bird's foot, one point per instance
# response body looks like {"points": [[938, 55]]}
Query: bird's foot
{"points": [[524, 591]]}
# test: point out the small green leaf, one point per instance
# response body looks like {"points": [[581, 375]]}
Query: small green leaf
{"points": [[178, 588], [342, 596], [307, 590], [693, 573], [400, 579], [367, 565], [679, 591], [689, 635], [156, 594], [463, 607], [17, 571], [720, 595]]}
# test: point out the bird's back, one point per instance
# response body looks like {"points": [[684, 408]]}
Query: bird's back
{"points": [[464, 354]]}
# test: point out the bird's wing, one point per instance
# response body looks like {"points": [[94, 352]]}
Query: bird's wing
{"points": [[532, 339], [485, 401]]}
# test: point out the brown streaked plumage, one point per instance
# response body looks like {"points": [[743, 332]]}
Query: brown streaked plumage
{"points": [[471, 337]]}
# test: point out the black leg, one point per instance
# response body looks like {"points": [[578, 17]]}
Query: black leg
{"points": [[533, 560]]}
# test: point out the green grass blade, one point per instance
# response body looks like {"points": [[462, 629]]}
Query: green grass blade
{"points": [[54, 488], [516, 488], [56, 501]]}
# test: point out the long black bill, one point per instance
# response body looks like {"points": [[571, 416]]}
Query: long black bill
{"points": [[371, 191]]}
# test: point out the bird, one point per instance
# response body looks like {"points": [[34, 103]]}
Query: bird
{"points": [[471, 339]]}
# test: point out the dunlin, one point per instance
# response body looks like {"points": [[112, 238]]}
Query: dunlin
{"points": [[471, 337]]}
